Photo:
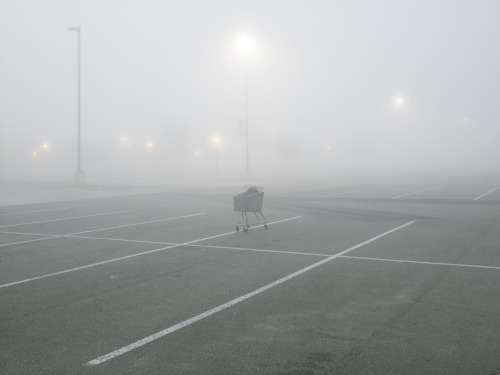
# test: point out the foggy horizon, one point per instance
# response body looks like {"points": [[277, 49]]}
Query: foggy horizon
{"points": [[332, 87]]}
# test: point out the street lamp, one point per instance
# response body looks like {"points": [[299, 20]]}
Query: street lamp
{"points": [[79, 175], [246, 47], [216, 143]]}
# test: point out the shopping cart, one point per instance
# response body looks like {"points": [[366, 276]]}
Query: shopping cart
{"points": [[249, 201]]}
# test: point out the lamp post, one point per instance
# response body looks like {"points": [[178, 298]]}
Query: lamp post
{"points": [[246, 120], [79, 174], [216, 143], [246, 47]]}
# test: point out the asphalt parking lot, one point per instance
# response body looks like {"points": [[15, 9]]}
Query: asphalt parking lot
{"points": [[347, 279]]}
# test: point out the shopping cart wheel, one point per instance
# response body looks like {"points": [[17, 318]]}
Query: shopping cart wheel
{"points": [[237, 228], [265, 226], [245, 229]]}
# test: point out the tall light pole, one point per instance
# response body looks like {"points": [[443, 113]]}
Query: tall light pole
{"points": [[246, 119], [246, 47], [79, 175], [216, 143]]}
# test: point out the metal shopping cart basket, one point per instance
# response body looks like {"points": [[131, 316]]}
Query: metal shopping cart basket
{"points": [[249, 201]]}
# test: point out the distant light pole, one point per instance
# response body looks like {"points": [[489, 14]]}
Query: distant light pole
{"points": [[216, 143], [79, 175], [246, 47], [246, 120]]}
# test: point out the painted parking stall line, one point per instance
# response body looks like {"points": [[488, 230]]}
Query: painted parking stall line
{"points": [[261, 250], [233, 302], [485, 194], [33, 212], [420, 262], [415, 192], [65, 218], [176, 243], [203, 246], [47, 237], [134, 224], [131, 256], [98, 230], [122, 240], [30, 234]]}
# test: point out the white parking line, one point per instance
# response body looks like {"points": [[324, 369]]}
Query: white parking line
{"points": [[190, 245], [131, 256], [224, 306], [97, 230], [47, 237], [417, 262], [32, 212], [30, 234], [123, 240], [488, 192], [415, 192], [262, 250], [134, 224], [66, 218]]}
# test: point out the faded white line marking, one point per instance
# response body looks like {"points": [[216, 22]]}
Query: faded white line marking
{"points": [[123, 240], [415, 192], [129, 256], [201, 246], [488, 192], [30, 234], [34, 240], [32, 212], [417, 262], [130, 225], [63, 219], [224, 306], [261, 250], [97, 230]]}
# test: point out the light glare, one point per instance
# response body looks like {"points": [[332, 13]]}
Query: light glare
{"points": [[245, 45]]}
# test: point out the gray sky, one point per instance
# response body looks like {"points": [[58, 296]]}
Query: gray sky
{"points": [[325, 73]]}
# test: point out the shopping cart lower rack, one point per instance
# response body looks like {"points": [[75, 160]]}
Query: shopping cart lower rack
{"points": [[249, 201]]}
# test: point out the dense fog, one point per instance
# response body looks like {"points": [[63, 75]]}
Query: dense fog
{"points": [[331, 86]]}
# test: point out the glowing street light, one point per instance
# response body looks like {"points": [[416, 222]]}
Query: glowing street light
{"points": [[246, 47]]}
